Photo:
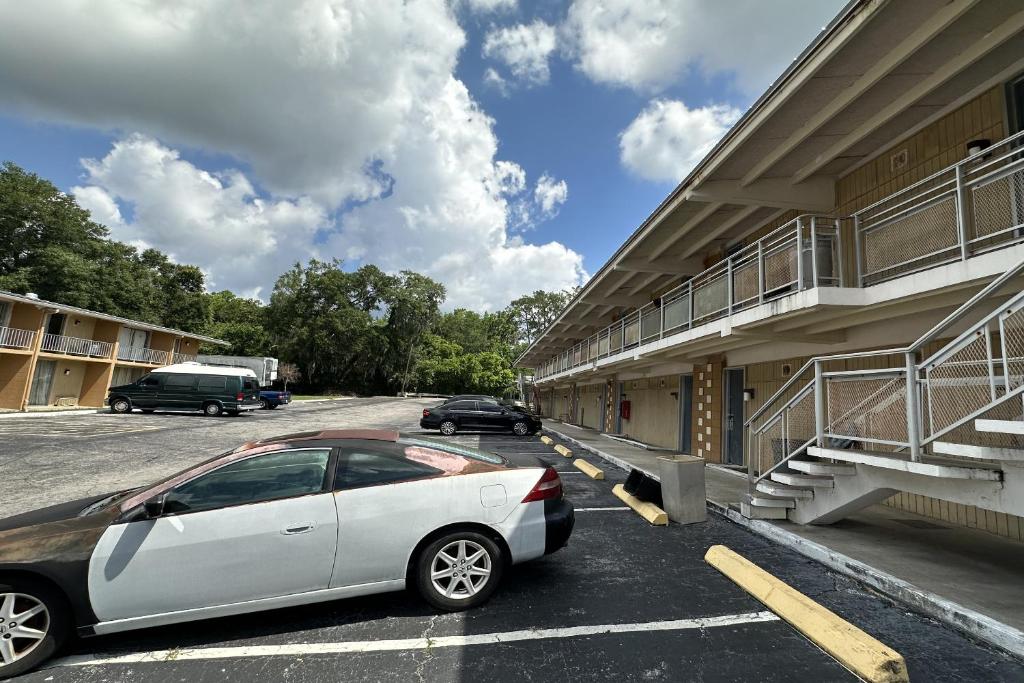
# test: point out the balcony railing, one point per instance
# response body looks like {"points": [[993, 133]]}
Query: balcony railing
{"points": [[142, 355], [968, 208], [766, 270], [184, 358], [13, 338], [973, 206], [75, 346]]}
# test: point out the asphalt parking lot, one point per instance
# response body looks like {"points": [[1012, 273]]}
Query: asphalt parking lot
{"points": [[624, 600]]}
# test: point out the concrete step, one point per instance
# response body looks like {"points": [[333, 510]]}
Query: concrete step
{"points": [[822, 468], [769, 501], [903, 463], [981, 452], [774, 488], [803, 480], [1000, 426], [756, 512]]}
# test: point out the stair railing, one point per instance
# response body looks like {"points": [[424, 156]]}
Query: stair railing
{"points": [[998, 372]]}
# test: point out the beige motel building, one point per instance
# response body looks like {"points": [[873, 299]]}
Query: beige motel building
{"points": [[56, 355], [870, 193]]}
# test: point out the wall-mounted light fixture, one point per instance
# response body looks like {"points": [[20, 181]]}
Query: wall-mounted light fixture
{"points": [[748, 394], [975, 146], [67, 371]]}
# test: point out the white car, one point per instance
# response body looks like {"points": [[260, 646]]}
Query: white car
{"points": [[286, 521]]}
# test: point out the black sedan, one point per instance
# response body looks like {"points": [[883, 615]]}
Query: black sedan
{"points": [[451, 417]]}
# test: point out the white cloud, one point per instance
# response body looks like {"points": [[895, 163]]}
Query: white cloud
{"points": [[215, 221], [648, 45], [493, 79], [550, 195], [667, 139], [524, 49], [487, 6], [327, 104]]}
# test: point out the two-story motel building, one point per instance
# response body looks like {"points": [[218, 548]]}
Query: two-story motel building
{"points": [[57, 355], [874, 188]]}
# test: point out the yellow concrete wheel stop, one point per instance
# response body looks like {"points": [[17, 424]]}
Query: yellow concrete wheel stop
{"points": [[546, 439], [588, 469], [862, 654], [563, 450], [649, 511]]}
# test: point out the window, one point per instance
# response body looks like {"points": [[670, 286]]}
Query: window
{"points": [[149, 381], [489, 407], [179, 381], [284, 474], [360, 467], [461, 405], [251, 384], [212, 383], [456, 450], [5, 313]]}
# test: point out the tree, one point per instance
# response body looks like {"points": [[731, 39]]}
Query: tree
{"points": [[240, 322], [532, 313], [288, 372]]}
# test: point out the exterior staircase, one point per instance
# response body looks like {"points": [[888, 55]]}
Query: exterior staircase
{"points": [[949, 426]]}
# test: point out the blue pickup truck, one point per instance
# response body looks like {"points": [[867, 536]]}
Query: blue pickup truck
{"points": [[270, 399]]}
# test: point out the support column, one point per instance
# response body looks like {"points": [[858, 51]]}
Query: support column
{"points": [[707, 409]]}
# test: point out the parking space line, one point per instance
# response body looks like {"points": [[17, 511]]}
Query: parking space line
{"points": [[357, 646], [607, 509]]}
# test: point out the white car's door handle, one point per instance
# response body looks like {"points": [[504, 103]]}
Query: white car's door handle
{"points": [[298, 528]]}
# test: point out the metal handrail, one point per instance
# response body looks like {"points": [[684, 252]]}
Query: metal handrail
{"points": [[643, 325], [14, 338], [134, 354], [75, 346]]}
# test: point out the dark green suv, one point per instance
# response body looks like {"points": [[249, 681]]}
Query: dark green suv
{"points": [[213, 390]]}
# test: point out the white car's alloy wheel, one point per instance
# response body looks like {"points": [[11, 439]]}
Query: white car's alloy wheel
{"points": [[460, 570], [24, 623]]}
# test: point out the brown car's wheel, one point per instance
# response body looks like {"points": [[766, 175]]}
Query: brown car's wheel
{"points": [[34, 623], [459, 570]]}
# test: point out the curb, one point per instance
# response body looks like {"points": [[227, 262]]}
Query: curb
{"points": [[963, 619], [865, 656], [586, 468], [51, 413], [649, 511]]}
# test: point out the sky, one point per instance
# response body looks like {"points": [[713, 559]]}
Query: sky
{"points": [[498, 146]]}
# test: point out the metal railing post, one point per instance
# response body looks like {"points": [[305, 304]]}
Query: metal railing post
{"points": [[661, 309], [799, 254], [814, 251], [819, 405], [689, 305], [838, 265], [913, 414], [728, 291], [760, 271], [991, 365], [857, 252], [961, 211]]}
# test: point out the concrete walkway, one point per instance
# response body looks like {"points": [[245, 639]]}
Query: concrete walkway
{"points": [[968, 578]]}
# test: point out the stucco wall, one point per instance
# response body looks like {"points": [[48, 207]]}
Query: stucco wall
{"points": [[654, 414]]}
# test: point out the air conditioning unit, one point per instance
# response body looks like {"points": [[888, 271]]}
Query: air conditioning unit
{"points": [[67, 401]]}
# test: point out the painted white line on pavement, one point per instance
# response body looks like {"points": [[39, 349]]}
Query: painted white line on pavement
{"points": [[357, 646], [601, 509]]}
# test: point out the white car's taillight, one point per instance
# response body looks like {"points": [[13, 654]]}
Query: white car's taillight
{"points": [[549, 487]]}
